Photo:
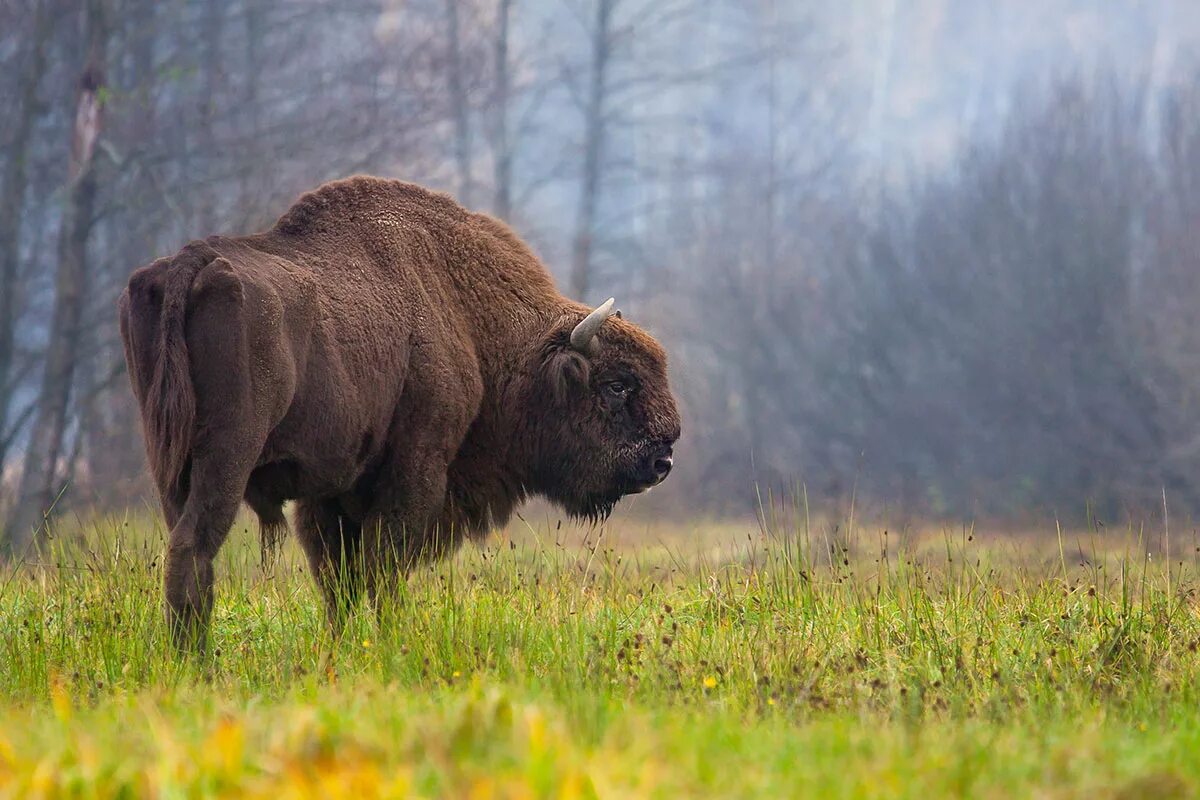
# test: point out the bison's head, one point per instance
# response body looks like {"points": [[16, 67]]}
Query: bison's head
{"points": [[603, 419]]}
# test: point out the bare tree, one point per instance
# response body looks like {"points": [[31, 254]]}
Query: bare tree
{"points": [[38, 481], [502, 153], [595, 128], [460, 106], [30, 66]]}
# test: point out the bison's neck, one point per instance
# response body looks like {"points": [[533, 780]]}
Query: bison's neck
{"points": [[482, 490], [494, 470], [508, 303]]}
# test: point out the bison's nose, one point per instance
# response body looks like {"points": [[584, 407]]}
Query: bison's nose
{"points": [[662, 467]]}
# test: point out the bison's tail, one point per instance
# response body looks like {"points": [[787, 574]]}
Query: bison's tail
{"points": [[169, 402]]}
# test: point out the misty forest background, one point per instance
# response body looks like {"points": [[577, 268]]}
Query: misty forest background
{"points": [[937, 255]]}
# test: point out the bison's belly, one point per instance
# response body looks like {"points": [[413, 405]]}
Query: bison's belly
{"points": [[315, 460], [333, 428], [290, 479]]}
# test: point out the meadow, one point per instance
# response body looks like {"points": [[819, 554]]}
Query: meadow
{"points": [[785, 657]]}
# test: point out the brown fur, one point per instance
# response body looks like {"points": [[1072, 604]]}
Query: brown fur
{"points": [[399, 366]]}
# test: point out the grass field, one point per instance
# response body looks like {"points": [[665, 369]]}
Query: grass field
{"points": [[664, 660]]}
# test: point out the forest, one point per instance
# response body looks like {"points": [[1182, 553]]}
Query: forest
{"points": [[935, 256]]}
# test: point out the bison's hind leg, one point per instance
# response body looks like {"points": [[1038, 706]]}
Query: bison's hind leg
{"points": [[333, 543], [228, 439], [207, 515]]}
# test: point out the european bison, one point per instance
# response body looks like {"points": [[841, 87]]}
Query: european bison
{"points": [[401, 367]]}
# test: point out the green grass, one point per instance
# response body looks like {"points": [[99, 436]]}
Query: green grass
{"points": [[662, 661]]}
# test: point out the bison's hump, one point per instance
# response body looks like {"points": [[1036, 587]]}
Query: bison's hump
{"points": [[363, 196]]}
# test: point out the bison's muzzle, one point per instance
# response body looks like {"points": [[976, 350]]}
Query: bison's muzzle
{"points": [[653, 470]]}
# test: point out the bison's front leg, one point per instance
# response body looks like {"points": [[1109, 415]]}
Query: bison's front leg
{"points": [[440, 400], [332, 541], [400, 527], [400, 531]]}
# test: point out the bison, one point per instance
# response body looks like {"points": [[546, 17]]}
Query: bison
{"points": [[401, 367]]}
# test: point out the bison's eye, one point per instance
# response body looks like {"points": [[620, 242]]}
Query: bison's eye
{"points": [[617, 389]]}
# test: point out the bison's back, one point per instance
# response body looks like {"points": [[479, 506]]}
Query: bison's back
{"points": [[343, 323], [382, 333]]}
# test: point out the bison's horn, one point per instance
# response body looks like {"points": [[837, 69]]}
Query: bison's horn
{"points": [[581, 336]]}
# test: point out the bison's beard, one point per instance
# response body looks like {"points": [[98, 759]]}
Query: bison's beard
{"points": [[592, 507], [597, 506], [594, 494]]}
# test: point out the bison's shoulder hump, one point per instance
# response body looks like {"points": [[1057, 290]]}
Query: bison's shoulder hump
{"points": [[360, 197]]}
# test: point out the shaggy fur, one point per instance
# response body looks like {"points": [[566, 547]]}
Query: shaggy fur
{"points": [[399, 366]]}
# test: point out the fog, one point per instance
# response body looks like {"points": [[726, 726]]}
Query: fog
{"points": [[938, 256]]}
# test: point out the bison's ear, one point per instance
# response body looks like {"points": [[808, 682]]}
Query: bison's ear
{"points": [[566, 372]]}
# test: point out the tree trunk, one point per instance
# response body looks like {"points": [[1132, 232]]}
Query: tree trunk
{"points": [[209, 212], [38, 488], [595, 123], [12, 198], [249, 189], [459, 107], [502, 155]]}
